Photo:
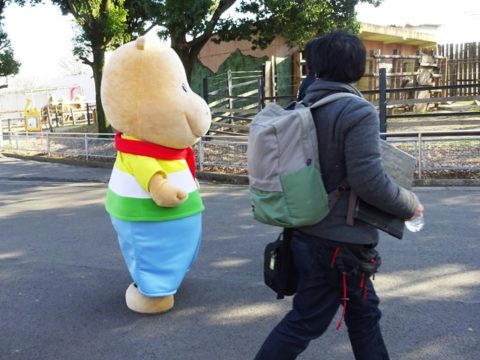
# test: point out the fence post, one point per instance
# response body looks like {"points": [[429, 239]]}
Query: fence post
{"points": [[382, 104], [48, 144], [261, 88], [200, 155], [420, 156], [230, 93], [86, 146], [205, 89]]}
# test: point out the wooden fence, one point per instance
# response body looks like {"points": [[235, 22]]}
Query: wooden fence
{"points": [[460, 65], [411, 85], [234, 98]]}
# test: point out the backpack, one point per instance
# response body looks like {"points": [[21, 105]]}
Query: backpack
{"points": [[285, 183]]}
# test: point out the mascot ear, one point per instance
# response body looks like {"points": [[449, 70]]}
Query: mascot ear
{"points": [[140, 43]]}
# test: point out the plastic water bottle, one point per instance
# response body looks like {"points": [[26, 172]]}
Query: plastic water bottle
{"points": [[415, 224]]}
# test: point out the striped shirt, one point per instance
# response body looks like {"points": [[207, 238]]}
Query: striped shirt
{"points": [[128, 198]]}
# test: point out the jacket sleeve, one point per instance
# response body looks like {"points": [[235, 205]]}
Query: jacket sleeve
{"points": [[365, 171]]}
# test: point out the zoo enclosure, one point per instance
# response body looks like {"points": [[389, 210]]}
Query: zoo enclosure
{"points": [[400, 86]]}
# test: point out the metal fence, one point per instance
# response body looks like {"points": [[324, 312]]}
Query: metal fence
{"points": [[76, 145], [434, 150]]}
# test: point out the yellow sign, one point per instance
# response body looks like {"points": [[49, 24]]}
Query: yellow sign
{"points": [[32, 118]]}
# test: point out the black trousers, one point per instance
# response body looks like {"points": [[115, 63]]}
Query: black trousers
{"points": [[315, 305]]}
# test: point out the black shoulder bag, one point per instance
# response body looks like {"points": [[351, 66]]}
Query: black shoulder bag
{"points": [[278, 268]]}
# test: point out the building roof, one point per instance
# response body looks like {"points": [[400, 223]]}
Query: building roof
{"points": [[397, 35]]}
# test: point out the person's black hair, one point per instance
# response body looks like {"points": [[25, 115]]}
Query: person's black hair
{"points": [[307, 53], [338, 56]]}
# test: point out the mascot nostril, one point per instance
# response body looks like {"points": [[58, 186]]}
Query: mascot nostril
{"points": [[153, 197]]}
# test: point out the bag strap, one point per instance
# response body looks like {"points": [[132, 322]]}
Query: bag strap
{"points": [[332, 97], [334, 195], [352, 203], [285, 255]]}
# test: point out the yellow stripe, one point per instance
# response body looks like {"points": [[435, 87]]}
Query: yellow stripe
{"points": [[168, 166]]}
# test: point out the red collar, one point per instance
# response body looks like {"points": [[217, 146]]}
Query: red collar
{"points": [[156, 151]]}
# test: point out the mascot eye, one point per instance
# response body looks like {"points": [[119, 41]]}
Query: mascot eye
{"points": [[184, 87]]}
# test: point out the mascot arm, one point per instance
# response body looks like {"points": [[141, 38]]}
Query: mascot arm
{"points": [[153, 179], [164, 193]]}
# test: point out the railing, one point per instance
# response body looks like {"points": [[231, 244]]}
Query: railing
{"points": [[434, 150], [86, 146], [440, 151]]}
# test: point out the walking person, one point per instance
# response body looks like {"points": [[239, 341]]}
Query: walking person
{"points": [[349, 148]]}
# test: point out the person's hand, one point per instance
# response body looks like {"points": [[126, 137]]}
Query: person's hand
{"points": [[418, 212]]}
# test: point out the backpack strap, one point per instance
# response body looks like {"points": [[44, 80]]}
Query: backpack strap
{"points": [[333, 97], [334, 195]]}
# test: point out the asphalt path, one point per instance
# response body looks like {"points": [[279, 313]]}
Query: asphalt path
{"points": [[63, 279]]}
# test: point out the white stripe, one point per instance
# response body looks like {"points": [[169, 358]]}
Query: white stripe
{"points": [[124, 184], [183, 180]]}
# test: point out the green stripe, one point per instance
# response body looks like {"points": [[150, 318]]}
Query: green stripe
{"points": [[134, 209]]}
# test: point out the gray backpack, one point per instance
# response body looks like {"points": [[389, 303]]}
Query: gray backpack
{"points": [[285, 182]]}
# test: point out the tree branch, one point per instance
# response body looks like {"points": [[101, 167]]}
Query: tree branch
{"points": [[73, 9], [222, 7], [86, 61]]}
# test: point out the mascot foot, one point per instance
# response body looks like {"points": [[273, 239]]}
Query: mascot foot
{"points": [[140, 303]]}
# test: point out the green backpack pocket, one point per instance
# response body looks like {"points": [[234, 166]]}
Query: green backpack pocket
{"points": [[302, 201]]}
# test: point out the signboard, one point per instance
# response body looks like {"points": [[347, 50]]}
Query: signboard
{"points": [[32, 120]]}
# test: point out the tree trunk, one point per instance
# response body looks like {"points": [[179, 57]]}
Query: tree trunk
{"points": [[97, 67], [187, 53], [188, 63]]}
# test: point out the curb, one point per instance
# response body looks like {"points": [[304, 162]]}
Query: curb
{"points": [[44, 158], [223, 178], [446, 182]]}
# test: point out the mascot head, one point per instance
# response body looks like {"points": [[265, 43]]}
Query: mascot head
{"points": [[145, 94]]}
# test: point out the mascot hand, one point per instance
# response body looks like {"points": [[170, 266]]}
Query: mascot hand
{"points": [[165, 194]]}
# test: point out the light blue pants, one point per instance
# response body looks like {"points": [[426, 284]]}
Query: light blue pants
{"points": [[158, 254]]}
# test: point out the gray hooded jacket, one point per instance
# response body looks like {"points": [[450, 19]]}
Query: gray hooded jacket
{"points": [[349, 147]]}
